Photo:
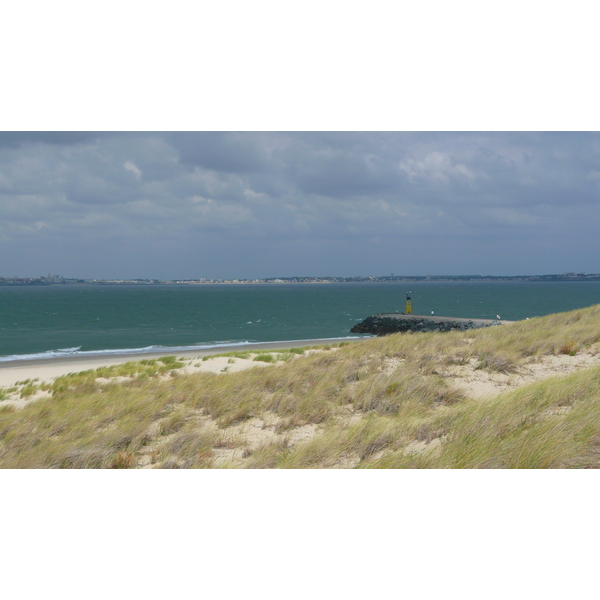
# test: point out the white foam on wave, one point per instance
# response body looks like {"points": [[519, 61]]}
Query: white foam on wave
{"points": [[76, 350]]}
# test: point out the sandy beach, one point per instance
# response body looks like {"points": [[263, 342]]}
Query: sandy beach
{"points": [[46, 370], [475, 383]]}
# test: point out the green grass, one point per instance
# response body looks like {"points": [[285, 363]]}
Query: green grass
{"points": [[265, 357], [28, 390], [248, 354], [234, 354]]}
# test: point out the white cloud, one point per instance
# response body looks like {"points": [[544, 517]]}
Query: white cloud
{"points": [[436, 166], [202, 200], [133, 168]]}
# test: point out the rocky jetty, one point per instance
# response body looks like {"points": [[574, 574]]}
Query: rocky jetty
{"points": [[385, 324]]}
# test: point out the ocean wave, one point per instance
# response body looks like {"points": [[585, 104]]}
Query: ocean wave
{"points": [[76, 351]]}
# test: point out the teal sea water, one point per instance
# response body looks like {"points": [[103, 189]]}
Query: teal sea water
{"points": [[102, 319]]}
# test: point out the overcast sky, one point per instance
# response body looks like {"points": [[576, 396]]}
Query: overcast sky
{"points": [[224, 205]]}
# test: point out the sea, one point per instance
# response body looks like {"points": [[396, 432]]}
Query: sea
{"points": [[62, 320]]}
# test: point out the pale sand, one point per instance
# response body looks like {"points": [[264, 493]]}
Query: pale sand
{"points": [[475, 383], [47, 370], [44, 373], [480, 384]]}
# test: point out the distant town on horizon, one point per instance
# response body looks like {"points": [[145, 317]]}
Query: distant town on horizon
{"points": [[59, 280]]}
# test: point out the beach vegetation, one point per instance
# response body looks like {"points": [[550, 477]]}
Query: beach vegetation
{"points": [[5, 393], [569, 347], [497, 361], [235, 354], [264, 357], [28, 390], [389, 402], [281, 353], [170, 361]]}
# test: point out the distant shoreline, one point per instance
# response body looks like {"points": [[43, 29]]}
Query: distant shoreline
{"points": [[57, 280]]}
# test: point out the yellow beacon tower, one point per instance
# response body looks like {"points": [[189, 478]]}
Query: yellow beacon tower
{"points": [[408, 304]]}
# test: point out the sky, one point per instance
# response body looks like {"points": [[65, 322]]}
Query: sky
{"points": [[268, 204], [417, 198], [250, 141]]}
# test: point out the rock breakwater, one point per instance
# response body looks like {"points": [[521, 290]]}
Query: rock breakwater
{"points": [[385, 324]]}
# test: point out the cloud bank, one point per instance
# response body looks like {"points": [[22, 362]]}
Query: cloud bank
{"points": [[188, 204]]}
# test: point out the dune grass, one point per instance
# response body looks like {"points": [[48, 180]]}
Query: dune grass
{"points": [[380, 403], [551, 424]]}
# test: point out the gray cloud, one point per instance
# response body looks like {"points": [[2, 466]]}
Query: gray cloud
{"points": [[228, 152], [264, 204]]}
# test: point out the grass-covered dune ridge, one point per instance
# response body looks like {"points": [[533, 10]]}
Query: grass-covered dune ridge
{"points": [[392, 402]]}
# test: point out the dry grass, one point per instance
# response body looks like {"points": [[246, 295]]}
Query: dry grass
{"points": [[380, 403], [551, 424]]}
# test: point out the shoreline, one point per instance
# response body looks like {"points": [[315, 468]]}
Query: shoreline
{"points": [[139, 354], [46, 369]]}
